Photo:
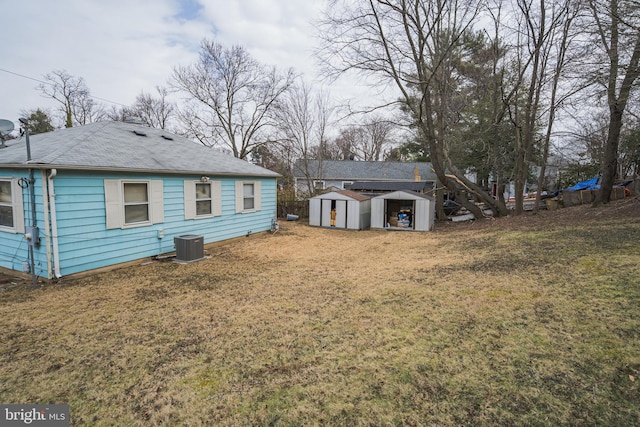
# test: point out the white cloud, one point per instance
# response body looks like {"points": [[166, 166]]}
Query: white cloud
{"points": [[118, 47], [122, 47]]}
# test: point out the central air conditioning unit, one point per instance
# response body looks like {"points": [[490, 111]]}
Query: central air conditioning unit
{"points": [[189, 247]]}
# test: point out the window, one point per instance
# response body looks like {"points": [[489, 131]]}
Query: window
{"points": [[318, 185], [11, 210], [248, 196], [202, 199], [133, 203], [136, 203], [346, 184], [6, 204]]}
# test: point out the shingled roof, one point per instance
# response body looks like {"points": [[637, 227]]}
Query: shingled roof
{"points": [[391, 185], [351, 170], [120, 146]]}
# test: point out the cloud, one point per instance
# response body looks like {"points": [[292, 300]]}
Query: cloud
{"points": [[123, 47], [118, 47]]}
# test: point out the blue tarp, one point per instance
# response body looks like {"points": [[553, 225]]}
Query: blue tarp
{"points": [[590, 184]]}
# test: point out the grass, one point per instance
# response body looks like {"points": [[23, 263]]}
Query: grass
{"points": [[526, 321]]}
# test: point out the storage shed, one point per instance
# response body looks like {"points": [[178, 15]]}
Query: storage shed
{"points": [[403, 210], [353, 210]]}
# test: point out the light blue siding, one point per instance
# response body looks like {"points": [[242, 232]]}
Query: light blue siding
{"points": [[84, 242], [14, 248]]}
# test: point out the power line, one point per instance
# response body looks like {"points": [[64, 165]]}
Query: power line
{"points": [[51, 84], [23, 76]]}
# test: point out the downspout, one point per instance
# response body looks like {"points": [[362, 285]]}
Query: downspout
{"points": [[54, 225], [47, 229]]}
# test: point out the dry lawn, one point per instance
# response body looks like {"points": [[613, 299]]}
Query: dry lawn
{"points": [[518, 321]]}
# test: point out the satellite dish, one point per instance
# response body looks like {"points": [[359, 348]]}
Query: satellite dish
{"points": [[6, 127]]}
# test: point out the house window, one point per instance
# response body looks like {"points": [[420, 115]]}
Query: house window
{"points": [[11, 210], [203, 199], [346, 184], [136, 203], [318, 185], [248, 196], [133, 203], [6, 205]]}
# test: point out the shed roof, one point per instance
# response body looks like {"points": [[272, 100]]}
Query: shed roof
{"points": [[352, 170], [404, 195], [120, 146], [346, 194]]}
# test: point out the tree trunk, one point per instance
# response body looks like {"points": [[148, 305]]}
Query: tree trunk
{"points": [[440, 202], [609, 166]]}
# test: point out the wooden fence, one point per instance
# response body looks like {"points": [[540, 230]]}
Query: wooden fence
{"points": [[573, 198], [295, 207]]}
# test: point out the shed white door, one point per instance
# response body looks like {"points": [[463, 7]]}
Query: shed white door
{"points": [[325, 213], [341, 213]]}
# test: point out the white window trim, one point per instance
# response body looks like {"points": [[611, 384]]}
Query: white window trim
{"points": [[257, 196], [146, 203], [17, 206], [114, 202], [315, 182], [190, 210]]}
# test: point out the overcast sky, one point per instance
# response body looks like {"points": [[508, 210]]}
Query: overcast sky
{"points": [[123, 47]]}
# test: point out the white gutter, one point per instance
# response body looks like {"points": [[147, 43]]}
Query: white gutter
{"points": [[54, 224], [47, 230]]}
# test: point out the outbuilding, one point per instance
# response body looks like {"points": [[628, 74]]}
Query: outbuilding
{"points": [[403, 210], [352, 210]]}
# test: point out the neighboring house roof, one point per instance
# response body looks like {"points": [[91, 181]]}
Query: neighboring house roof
{"points": [[352, 170], [120, 146], [391, 185]]}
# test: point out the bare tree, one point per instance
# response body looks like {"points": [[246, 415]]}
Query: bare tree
{"points": [[348, 141], [230, 97], [378, 133], [540, 24], [155, 112], [561, 43], [86, 110], [118, 114], [73, 95], [617, 26], [366, 141], [303, 118]]}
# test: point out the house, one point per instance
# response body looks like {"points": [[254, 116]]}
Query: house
{"points": [[404, 210], [369, 176], [352, 210], [112, 192]]}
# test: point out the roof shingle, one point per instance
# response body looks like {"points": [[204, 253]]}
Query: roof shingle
{"points": [[119, 146]]}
